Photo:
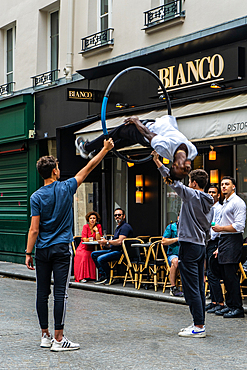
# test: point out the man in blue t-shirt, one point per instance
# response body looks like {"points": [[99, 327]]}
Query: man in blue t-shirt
{"points": [[113, 247], [51, 233], [170, 239]]}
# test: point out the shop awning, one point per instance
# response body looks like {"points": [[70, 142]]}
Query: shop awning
{"points": [[213, 119]]}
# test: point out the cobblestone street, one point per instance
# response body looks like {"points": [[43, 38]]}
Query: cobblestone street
{"points": [[115, 332]]}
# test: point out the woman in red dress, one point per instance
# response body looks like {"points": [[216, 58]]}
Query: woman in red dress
{"points": [[84, 267]]}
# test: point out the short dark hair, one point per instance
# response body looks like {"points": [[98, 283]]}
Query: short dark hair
{"points": [[214, 186], [45, 165], [200, 177], [98, 218], [120, 209], [229, 178]]}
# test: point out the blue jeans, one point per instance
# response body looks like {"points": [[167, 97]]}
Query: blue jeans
{"points": [[191, 266], [101, 259]]}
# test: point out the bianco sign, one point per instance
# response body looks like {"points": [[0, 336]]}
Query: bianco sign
{"points": [[193, 72]]}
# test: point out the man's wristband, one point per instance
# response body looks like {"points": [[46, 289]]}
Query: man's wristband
{"points": [[107, 243], [28, 254]]}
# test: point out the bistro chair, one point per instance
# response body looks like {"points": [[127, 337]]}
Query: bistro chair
{"points": [[75, 243], [243, 276], [144, 238], [116, 266], [243, 280], [155, 238], [156, 264], [133, 258]]}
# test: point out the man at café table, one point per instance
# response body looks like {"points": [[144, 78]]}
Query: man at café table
{"points": [[112, 249]]}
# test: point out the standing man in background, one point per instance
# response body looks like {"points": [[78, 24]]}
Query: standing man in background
{"points": [[230, 246], [217, 300]]}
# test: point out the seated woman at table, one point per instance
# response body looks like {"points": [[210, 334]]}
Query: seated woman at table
{"points": [[84, 267]]}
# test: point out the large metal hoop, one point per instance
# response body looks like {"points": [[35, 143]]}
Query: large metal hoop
{"points": [[105, 102]]}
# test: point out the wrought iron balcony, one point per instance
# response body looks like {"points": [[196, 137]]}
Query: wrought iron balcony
{"points": [[6, 88], [45, 78], [163, 13], [97, 40]]}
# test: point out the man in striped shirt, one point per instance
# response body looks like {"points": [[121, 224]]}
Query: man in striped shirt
{"points": [[230, 246]]}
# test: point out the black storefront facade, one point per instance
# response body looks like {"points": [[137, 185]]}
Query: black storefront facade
{"points": [[213, 117]]}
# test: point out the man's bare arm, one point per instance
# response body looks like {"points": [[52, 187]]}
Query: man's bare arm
{"points": [[140, 127], [85, 171]]}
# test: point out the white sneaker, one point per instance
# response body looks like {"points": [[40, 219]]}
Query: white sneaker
{"points": [[193, 332], [79, 143], [46, 341], [64, 345]]}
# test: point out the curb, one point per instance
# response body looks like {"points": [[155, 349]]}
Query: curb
{"points": [[125, 291]]}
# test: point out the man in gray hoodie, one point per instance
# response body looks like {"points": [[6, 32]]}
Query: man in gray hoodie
{"points": [[194, 224]]}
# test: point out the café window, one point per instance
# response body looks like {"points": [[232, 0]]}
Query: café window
{"points": [[86, 199]]}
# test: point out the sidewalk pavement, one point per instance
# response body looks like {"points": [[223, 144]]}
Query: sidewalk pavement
{"points": [[19, 271]]}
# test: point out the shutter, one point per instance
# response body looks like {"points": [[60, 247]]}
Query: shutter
{"points": [[13, 186]]}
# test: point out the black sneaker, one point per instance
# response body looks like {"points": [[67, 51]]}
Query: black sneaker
{"points": [[209, 306], [216, 307], [101, 280], [175, 292]]}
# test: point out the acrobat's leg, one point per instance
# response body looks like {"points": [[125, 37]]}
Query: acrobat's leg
{"points": [[123, 135]]}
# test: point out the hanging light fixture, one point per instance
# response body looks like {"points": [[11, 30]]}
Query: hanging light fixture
{"points": [[139, 189], [214, 176], [212, 154]]}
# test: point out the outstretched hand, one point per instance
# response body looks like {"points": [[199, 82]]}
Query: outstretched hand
{"points": [[134, 120], [155, 155], [108, 144]]}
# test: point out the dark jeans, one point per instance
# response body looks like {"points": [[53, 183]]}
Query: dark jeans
{"points": [[213, 282], [101, 259], [123, 135], [56, 259], [191, 266], [231, 281]]}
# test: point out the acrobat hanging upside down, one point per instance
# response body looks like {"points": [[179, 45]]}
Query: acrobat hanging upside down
{"points": [[161, 134]]}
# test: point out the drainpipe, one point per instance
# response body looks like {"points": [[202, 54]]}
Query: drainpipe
{"points": [[69, 67]]}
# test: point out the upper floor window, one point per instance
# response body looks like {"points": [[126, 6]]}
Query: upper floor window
{"points": [[10, 55], [54, 39], [105, 8]]}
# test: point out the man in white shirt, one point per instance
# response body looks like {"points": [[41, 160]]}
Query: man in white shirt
{"points": [[230, 246], [161, 134], [217, 300]]}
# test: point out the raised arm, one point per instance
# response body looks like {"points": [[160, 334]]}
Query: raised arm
{"points": [[140, 127], [85, 171]]}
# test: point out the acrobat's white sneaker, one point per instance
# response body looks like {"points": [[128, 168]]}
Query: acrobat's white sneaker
{"points": [[193, 332], [64, 345], [79, 143]]}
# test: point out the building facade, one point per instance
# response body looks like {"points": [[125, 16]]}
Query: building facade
{"points": [[56, 61]]}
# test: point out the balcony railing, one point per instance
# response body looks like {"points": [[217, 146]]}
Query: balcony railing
{"points": [[97, 39], [45, 78], [6, 88], [163, 13]]}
